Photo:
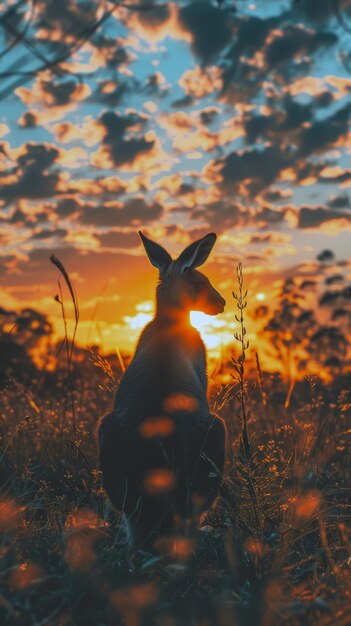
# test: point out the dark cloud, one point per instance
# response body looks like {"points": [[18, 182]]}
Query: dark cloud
{"points": [[6, 262], [340, 201], [325, 255], [220, 215], [342, 176], [155, 15], [135, 211], [61, 92], [320, 10], [59, 233], [292, 132], [274, 195], [209, 115], [70, 16], [154, 85], [262, 238], [293, 41], [118, 239], [29, 120], [124, 149], [287, 49], [67, 207], [324, 133], [33, 178], [313, 217], [183, 102], [256, 168], [250, 35], [114, 96], [292, 122], [17, 217], [334, 279], [209, 27], [112, 49], [270, 216]]}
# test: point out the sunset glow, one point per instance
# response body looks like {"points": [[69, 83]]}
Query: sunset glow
{"points": [[161, 160], [175, 136], [209, 328]]}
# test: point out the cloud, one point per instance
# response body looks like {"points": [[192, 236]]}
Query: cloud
{"points": [[295, 124], [271, 237], [120, 146], [88, 132], [209, 28], [287, 44], [324, 133], [220, 215], [4, 130], [239, 77], [67, 207], [134, 211], [17, 217], [320, 10], [155, 23], [336, 175], [119, 239], [309, 217], [251, 95], [59, 233], [31, 176], [281, 124], [268, 216], [252, 169], [340, 201], [268, 51], [29, 119], [198, 83], [110, 52], [189, 133], [60, 93]]}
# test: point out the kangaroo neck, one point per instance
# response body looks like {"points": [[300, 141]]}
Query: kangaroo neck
{"points": [[171, 315]]}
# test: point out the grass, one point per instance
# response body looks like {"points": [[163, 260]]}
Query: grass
{"points": [[275, 551]]}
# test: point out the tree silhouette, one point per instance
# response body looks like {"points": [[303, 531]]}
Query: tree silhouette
{"points": [[48, 33], [20, 334]]}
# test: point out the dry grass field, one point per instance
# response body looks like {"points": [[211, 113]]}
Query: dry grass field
{"points": [[274, 551]]}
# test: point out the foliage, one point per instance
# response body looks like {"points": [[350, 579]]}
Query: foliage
{"points": [[274, 551]]}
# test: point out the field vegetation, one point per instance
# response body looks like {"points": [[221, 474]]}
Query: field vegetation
{"points": [[275, 550]]}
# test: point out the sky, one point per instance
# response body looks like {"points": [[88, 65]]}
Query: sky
{"points": [[179, 119]]}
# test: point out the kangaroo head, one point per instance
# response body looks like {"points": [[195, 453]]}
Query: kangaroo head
{"points": [[181, 286]]}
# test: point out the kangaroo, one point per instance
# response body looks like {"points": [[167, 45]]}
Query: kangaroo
{"points": [[161, 450]]}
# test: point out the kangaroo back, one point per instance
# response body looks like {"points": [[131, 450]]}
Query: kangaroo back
{"points": [[161, 450]]}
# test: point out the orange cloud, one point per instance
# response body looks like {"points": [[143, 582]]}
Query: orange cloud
{"points": [[157, 23], [201, 82], [4, 130], [190, 135]]}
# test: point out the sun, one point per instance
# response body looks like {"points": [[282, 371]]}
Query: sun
{"points": [[205, 325]]}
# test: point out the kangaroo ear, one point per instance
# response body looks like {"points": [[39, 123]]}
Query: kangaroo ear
{"points": [[197, 253], [157, 255]]}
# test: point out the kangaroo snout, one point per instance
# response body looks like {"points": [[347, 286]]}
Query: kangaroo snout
{"points": [[217, 306], [221, 305]]}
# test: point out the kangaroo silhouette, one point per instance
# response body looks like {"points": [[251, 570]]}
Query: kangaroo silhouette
{"points": [[161, 449]]}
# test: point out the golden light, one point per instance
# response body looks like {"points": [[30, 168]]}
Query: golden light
{"points": [[260, 296], [138, 321], [141, 318], [205, 325]]}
